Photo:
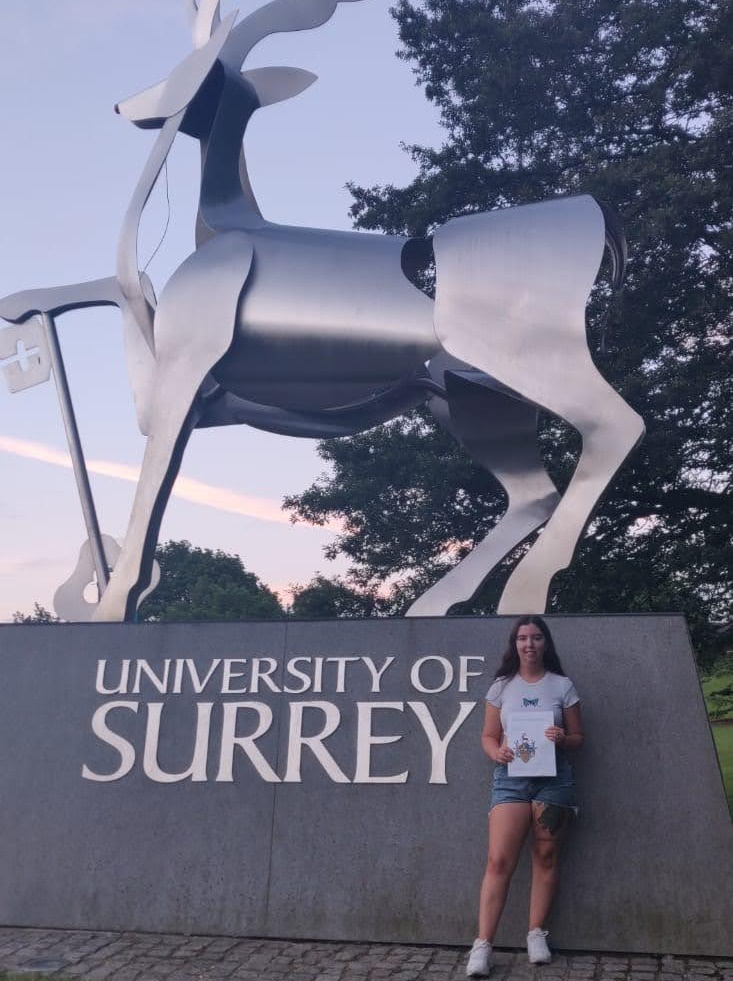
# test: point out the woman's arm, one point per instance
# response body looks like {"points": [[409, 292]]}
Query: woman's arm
{"points": [[570, 734], [491, 736]]}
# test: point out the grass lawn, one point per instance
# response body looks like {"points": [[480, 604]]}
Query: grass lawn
{"points": [[714, 684], [724, 742], [717, 688]]}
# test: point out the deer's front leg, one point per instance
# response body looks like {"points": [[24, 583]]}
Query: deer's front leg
{"points": [[161, 463], [194, 324]]}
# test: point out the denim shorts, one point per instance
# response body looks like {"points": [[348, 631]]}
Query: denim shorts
{"points": [[559, 790]]}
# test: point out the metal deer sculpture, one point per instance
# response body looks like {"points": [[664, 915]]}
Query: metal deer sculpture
{"points": [[317, 333]]}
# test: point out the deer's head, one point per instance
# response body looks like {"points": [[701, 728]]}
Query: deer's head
{"points": [[220, 50]]}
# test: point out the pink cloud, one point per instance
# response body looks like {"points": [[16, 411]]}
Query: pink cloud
{"points": [[185, 488]]}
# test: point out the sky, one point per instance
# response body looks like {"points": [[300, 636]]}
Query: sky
{"points": [[68, 165]]}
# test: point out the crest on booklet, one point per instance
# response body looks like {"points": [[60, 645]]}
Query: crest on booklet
{"points": [[525, 748]]}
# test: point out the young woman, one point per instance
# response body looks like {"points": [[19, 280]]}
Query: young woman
{"points": [[530, 677]]}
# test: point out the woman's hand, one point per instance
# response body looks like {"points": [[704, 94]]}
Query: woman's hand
{"points": [[503, 755], [556, 735]]}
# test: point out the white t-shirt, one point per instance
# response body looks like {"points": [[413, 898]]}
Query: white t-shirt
{"points": [[552, 693]]}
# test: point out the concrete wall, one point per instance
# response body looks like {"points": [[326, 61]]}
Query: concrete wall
{"points": [[648, 866]]}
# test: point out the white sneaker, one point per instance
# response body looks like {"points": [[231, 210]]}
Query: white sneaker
{"points": [[537, 949], [479, 960]]}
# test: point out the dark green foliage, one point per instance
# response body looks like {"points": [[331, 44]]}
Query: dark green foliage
{"points": [[196, 584], [632, 103], [201, 584], [323, 599]]}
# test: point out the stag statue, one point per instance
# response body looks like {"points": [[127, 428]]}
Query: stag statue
{"points": [[317, 333]]}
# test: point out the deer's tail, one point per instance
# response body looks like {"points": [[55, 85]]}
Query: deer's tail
{"points": [[616, 244]]}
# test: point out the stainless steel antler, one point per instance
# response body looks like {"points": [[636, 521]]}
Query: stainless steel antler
{"points": [[205, 18], [166, 101], [274, 18]]}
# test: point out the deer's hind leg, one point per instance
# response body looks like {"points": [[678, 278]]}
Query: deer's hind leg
{"points": [[194, 325], [610, 429], [512, 288], [500, 433]]}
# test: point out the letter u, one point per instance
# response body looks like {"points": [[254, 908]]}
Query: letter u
{"points": [[197, 770], [121, 688]]}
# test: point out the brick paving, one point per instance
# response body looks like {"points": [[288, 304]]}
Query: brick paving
{"points": [[101, 956]]}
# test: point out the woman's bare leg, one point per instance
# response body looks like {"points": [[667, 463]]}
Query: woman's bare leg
{"points": [[508, 827], [549, 827]]}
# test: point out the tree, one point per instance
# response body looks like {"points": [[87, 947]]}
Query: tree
{"points": [[632, 103], [39, 615], [201, 584], [324, 599], [196, 584]]}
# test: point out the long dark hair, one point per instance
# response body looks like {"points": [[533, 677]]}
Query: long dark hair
{"points": [[510, 659]]}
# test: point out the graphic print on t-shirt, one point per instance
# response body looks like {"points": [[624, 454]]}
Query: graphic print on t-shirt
{"points": [[552, 693]]}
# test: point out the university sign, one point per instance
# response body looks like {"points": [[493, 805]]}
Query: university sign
{"points": [[326, 780], [240, 724]]}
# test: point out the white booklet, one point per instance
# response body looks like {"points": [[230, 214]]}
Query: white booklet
{"points": [[534, 754]]}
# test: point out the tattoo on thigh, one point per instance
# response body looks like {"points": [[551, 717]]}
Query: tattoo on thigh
{"points": [[552, 818]]}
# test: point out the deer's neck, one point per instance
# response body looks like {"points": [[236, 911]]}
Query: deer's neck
{"points": [[226, 200]]}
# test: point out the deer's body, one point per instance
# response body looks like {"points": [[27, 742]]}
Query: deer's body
{"points": [[357, 324], [325, 317], [317, 333]]}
